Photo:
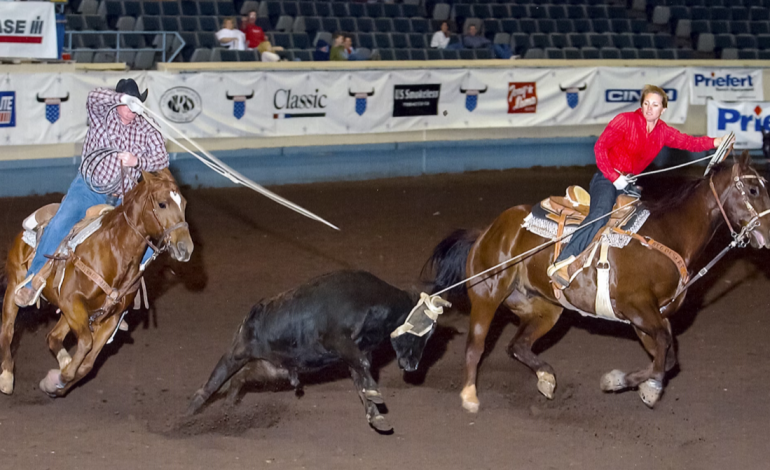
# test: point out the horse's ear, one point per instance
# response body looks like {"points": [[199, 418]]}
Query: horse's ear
{"points": [[744, 159], [165, 175], [147, 176]]}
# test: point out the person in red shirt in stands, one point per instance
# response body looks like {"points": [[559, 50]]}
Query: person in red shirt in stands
{"points": [[254, 34], [629, 143]]}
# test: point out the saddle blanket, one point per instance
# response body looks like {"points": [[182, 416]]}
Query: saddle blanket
{"points": [[30, 236], [538, 224]]}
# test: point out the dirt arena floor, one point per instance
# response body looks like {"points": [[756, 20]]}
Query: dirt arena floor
{"points": [[127, 414]]}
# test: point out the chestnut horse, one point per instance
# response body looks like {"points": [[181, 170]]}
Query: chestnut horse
{"points": [[643, 281], [153, 210]]}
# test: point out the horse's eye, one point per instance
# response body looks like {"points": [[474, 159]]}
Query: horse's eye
{"points": [[162, 205], [754, 192]]}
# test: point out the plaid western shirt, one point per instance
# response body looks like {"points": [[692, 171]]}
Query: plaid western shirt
{"points": [[626, 146], [107, 131]]}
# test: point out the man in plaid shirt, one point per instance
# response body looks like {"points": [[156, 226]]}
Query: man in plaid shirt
{"points": [[116, 122]]}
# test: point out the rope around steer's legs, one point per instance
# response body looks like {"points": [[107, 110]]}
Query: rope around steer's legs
{"points": [[218, 166]]}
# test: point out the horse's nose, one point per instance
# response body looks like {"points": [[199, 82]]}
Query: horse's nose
{"points": [[183, 251]]}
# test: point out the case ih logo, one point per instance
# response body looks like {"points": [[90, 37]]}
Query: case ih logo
{"points": [[522, 97]]}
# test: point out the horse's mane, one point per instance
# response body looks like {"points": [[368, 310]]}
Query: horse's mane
{"points": [[676, 198]]}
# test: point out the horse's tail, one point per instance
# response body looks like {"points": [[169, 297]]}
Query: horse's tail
{"points": [[448, 260]]}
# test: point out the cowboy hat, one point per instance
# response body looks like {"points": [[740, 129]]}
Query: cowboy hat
{"points": [[129, 87]]}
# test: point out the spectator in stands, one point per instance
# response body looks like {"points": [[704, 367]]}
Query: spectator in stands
{"points": [[440, 38], [338, 52], [254, 34], [230, 37], [322, 51], [473, 41]]}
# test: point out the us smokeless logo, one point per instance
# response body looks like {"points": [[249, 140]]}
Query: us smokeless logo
{"points": [[7, 109], [416, 100]]}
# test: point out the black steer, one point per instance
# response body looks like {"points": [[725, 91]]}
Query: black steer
{"points": [[339, 317]]}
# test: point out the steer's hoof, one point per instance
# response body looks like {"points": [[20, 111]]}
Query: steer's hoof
{"points": [[650, 391], [51, 383], [613, 381], [374, 396], [6, 382], [380, 424], [546, 384]]}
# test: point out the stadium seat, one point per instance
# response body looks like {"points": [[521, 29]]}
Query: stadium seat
{"points": [[418, 54], [609, 53], [364, 25], [578, 40], [747, 54], [629, 53], [534, 53], [483, 54], [666, 54], [399, 41], [401, 54], [685, 54], [572, 53], [648, 53], [448, 54], [417, 41], [559, 40], [383, 25], [323, 10], [387, 54], [554, 53], [303, 56], [392, 10], [151, 8], [590, 53]]}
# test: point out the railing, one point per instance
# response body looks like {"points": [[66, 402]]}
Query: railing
{"points": [[165, 38]]}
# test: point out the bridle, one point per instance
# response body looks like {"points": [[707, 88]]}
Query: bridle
{"points": [[741, 239], [164, 236]]}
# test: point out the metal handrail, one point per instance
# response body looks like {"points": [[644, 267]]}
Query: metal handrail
{"points": [[117, 49]]}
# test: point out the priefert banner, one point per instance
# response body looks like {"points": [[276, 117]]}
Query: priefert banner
{"points": [[725, 85], [28, 30], [746, 119]]}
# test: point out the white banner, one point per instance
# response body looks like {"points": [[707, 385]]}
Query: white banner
{"points": [[50, 108], [28, 30], [725, 85], [746, 119]]}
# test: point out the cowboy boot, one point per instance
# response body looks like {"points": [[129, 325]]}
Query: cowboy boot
{"points": [[559, 272], [29, 291]]}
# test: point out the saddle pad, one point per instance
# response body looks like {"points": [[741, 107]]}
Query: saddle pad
{"points": [[537, 223], [30, 237]]}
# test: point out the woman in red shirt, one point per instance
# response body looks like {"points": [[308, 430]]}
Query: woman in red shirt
{"points": [[629, 143]]}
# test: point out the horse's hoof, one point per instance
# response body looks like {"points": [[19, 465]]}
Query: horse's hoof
{"points": [[6, 382], [546, 384], [470, 400], [51, 383], [380, 424], [613, 381], [650, 391], [374, 396], [64, 358]]}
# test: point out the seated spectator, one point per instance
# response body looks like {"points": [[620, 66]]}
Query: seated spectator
{"points": [[230, 37], [338, 48], [254, 34], [440, 38], [267, 52], [472, 41], [322, 50], [343, 49], [354, 54]]}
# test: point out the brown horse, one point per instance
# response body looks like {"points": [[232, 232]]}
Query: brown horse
{"points": [[100, 278], [644, 283]]}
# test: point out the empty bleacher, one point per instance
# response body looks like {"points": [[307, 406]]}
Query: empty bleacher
{"points": [[548, 29]]}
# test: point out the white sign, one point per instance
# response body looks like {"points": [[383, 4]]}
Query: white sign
{"points": [[725, 85], [28, 30], [50, 108], [746, 119]]}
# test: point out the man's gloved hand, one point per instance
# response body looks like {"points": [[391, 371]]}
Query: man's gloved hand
{"points": [[133, 103], [633, 190], [621, 183]]}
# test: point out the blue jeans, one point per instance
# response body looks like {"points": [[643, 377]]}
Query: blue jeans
{"points": [[72, 210], [603, 195]]}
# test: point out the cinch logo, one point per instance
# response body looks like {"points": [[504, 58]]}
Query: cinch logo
{"points": [[286, 100], [7, 109], [633, 96], [733, 116], [726, 82], [522, 97]]}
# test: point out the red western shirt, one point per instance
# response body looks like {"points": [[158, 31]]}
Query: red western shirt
{"points": [[626, 146], [254, 35]]}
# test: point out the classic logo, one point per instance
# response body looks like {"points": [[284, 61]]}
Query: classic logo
{"points": [[181, 104], [573, 94], [7, 109], [299, 106], [239, 103], [733, 116], [472, 97], [633, 96], [361, 100], [416, 100], [522, 97], [52, 105]]}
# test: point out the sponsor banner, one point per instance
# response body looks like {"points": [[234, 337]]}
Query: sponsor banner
{"points": [[28, 30], [747, 119], [50, 108], [725, 85], [619, 90]]}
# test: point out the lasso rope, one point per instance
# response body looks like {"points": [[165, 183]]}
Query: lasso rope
{"points": [[218, 166]]}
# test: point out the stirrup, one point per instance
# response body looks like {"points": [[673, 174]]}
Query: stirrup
{"points": [[559, 272]]}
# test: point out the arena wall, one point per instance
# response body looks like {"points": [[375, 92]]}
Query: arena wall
{"points": [[41, 169]]}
